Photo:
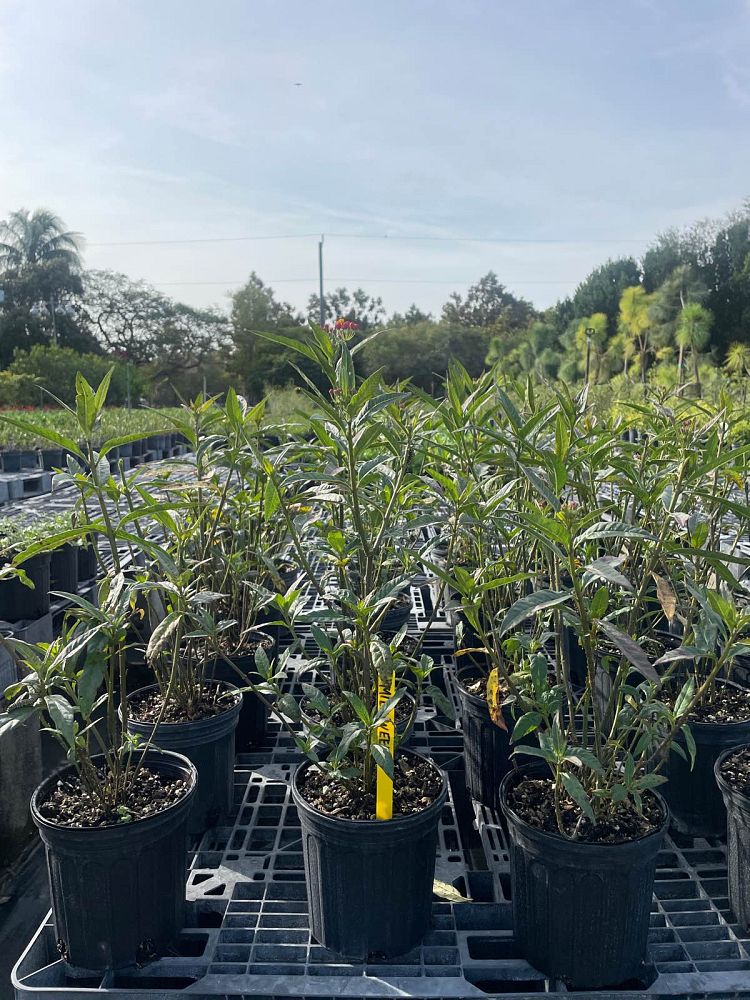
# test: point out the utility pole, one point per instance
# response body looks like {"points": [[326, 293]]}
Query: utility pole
{"points": [[54, 321], [320, 281]]}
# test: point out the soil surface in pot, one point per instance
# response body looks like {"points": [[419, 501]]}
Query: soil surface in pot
{"points": [[417, 784], [533, 800], [477, 687], [402, 712], [148, 706], [70, 804], [249, 648], [735, 770], [728, 704]]}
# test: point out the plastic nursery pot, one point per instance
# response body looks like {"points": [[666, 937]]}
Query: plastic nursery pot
{"points": [[253, 718], [580, 911], [88, 567], [487, 747], [29, 459], [396, 616], [11, 461], [63, 571], [209, 744], [52, 458], [19, 602], [576, 655], [738, 843], [369, 882], [118, 892], [693, 797]]}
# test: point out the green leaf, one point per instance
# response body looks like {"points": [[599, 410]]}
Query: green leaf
{"points": [[606, 569], [160, 636], [443, 704], [650, 781], [724, 608], [530, 605], [294, 345], [525, 725], [681, 653], [613, 529], [383, 758], [690, 743], [45, 432], [546, 753], [619, 793], [89, 682], [631, 651], [575, 790], [288, 707], [63, 717], [321, 638], [359, 707], [685, 697], [599, 603], [581, 756]]}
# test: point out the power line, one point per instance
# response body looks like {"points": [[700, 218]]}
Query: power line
{"points": [[200, 239], [507, 240], [380, 281]]}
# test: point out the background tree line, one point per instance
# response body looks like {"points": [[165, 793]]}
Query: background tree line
{"points": [[677, 315]]}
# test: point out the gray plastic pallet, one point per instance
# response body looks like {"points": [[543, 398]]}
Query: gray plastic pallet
{"points": [[248, 932]]}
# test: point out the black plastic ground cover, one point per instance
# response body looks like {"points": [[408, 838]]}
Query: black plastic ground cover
{"points": [[248, 932]]}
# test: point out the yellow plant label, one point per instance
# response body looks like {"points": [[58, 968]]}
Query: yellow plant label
{"points": [[385, 736]]}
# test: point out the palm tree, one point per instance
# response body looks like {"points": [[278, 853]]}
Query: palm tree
{"points": [[693, 330], [36, 238], [738, 363], [635, 324]]}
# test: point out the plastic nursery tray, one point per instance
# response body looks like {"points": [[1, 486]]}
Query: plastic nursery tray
{"points": [[248, 935]]}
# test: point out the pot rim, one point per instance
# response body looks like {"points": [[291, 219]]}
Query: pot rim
{"points": [[177, 761], [370, 824], [237, 654], [186, 722], [557, 838], [722, 725], [724, 786]]}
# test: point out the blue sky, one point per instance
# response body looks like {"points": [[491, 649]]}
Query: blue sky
{"points": [[587, 124]]}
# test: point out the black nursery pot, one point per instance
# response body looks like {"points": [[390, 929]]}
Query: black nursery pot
{"points": [[19, 602], [64, 569], [118, 892], [253, 718], [11, 461], [52, 458], [576, 655], [369, 882], [88, 567], [487, 747], [693, 797], [396, 616], [29, 459], [580, 911], [738, 844], [209, 744]]}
